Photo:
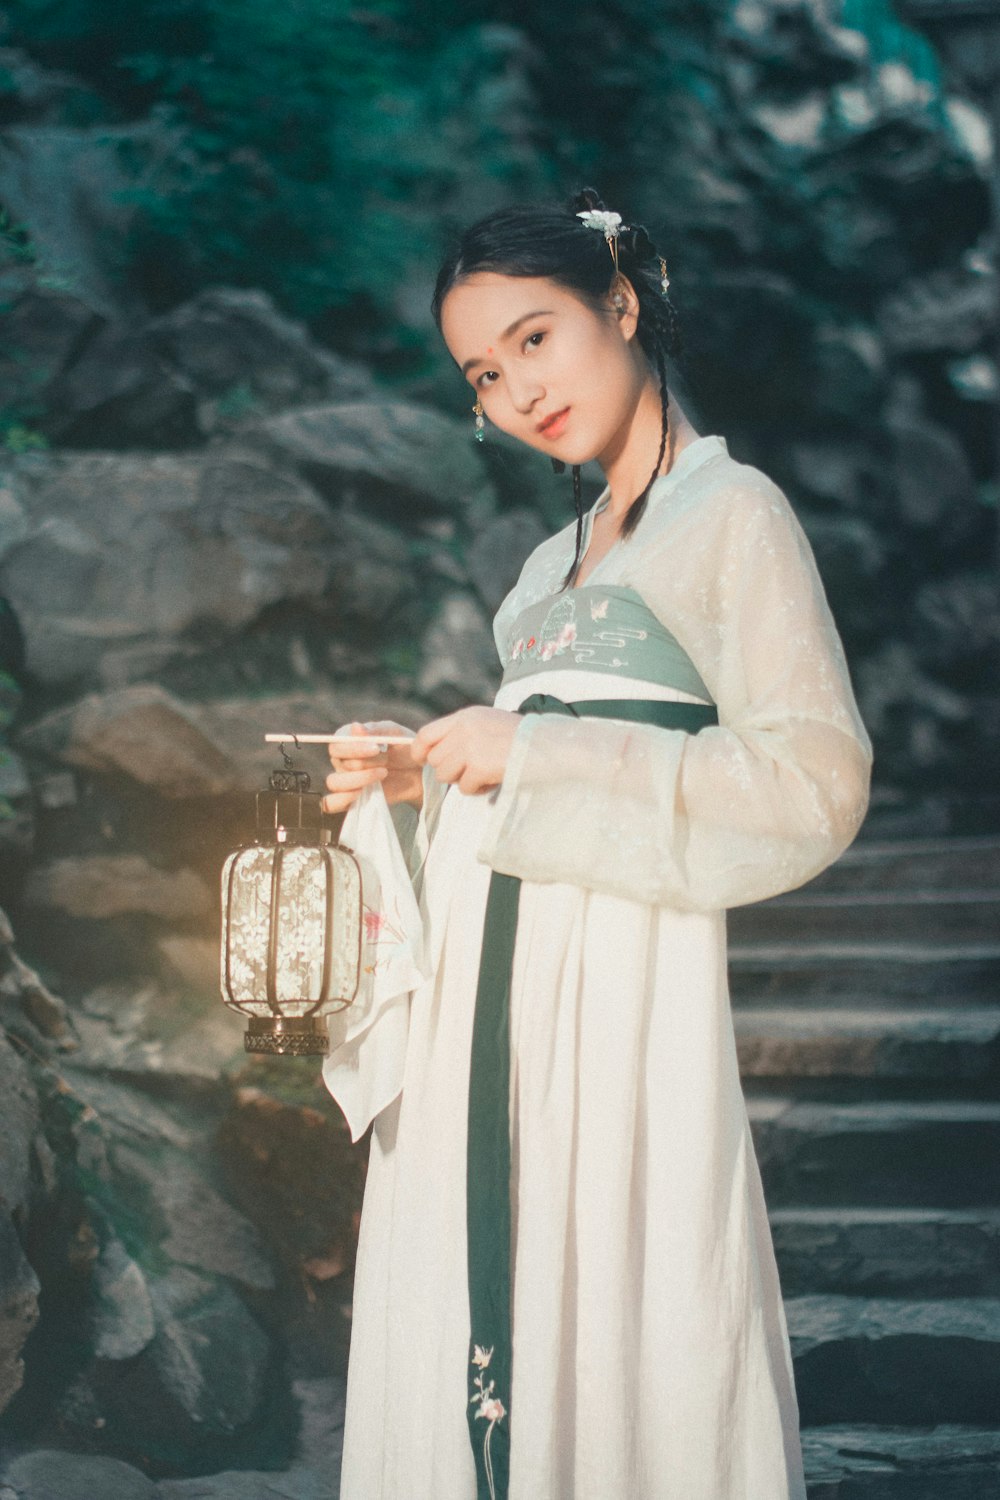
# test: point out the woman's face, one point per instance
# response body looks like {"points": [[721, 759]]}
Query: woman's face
{"points": [[548, 368]]}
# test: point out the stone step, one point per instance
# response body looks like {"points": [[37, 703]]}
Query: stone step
{"points": [[925, 917], [913, 864], [855, 972], [912, 1043], [895, 1360], [888, 1252], [949, 1461], [901, 1153]]}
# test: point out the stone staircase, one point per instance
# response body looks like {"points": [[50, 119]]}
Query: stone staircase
{"points": [[867, 1014]]}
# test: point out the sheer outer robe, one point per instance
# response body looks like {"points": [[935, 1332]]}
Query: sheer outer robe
{"points": [[737, 813]]}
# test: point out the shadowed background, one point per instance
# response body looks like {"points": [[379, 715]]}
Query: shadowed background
{"points": [[239, 491]]}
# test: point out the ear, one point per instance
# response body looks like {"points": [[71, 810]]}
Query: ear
{"points": [[624, 303]]}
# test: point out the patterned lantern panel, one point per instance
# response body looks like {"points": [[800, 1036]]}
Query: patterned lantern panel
{"points": [[291, 941]]}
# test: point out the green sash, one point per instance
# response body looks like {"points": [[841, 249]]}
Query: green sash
{"points": [[488, 1213]]}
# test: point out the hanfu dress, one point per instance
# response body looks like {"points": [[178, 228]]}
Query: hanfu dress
{"points": [[650, 1351]]}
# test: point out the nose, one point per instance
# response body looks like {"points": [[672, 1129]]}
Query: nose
{"points": [[525, 391]]}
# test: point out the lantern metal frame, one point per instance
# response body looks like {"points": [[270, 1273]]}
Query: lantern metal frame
{"points": [[279, 1034]]}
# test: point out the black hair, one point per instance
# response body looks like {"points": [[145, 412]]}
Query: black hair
{"points": [[544, 240]]}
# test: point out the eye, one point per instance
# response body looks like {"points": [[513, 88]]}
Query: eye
{"points": [[539, 335], [480, 379]]}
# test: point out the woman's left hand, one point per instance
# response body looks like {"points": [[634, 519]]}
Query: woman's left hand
{"points": [[469, 748]]}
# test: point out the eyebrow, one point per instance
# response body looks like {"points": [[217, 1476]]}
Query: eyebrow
{"points": [[526, 317]]}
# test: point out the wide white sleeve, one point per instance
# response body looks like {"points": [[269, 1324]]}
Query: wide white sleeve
{"points": [[738, 812]]}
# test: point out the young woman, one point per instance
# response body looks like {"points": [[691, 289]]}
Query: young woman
{"points": [[566, 1286]]}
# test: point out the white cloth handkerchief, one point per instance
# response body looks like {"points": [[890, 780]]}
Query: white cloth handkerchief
{"points": [[364, 1071]]}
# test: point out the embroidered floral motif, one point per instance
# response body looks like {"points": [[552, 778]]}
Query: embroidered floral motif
{"points": [[381, 931], [599, 609], [491, 1409], [374, 922], [548, 647]]}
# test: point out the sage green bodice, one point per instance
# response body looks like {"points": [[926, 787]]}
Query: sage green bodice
{"points": [[599, 628]]}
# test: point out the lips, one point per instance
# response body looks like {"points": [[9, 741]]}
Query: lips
{"points": [[554, 425]]}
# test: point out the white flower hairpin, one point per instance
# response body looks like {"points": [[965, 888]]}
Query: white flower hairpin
{"points": [[600, 218], [609, 224]]}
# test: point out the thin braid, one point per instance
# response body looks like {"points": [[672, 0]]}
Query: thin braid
{"points": [[634, 513], [578, 504]]}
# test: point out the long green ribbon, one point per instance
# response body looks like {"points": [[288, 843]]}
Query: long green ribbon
{"points": [[488, 1209]]}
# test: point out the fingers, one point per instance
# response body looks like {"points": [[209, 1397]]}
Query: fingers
{"points": [[344, 787], [429, 736], [361, 755]]}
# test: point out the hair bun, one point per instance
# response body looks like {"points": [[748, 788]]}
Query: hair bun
{"points": [[587, 198], [638, 243]]}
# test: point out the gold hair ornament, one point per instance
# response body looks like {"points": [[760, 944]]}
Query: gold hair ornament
{"points": [[610, 224]]}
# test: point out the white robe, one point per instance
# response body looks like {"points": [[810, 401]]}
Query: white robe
{"points": [[650, 1350]]}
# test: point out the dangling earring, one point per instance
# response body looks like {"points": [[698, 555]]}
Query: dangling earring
{"points": [[480, 424]]}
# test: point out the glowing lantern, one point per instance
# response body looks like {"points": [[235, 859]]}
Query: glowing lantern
{"points": [[291, 922]]}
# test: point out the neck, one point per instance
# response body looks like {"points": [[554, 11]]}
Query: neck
{"points": [[628, 462]]}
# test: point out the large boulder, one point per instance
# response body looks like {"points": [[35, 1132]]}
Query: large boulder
{"points": [[406, 460], [143, 732], [243, 357], [116, 564], [95, 886], [118, 392]]}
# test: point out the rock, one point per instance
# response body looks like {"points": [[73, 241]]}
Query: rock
{"points": [[141, 732], [17, 819], [193, 959], [19, 1288], [29, 92], [199, 1228], [154, 1033], [20, 1125], [208, 1362], [123, 1309], [44, 327], [459, 663], [291, 1168], [852, 560], [934, 484], [22, 990], [71, 191], [401, 458], [957, 626], [951, 308], [315, 1472], [51, 1474], [373, 578], [849, 368], [207, 1234], [118, 394], [120, 1112], [129, 561], [498, 552], [243, 357], [107, 885]]}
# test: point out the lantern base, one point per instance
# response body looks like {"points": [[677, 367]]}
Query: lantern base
{"points": [[281, 1036]]}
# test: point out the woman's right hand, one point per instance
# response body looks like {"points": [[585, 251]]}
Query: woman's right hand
{"points": [[364, 765]]}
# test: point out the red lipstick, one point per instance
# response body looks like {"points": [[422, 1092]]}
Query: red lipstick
{"points": [[553, 426]]}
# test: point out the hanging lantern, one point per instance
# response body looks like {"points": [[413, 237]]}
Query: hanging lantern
{"points": [[291, 922]]}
